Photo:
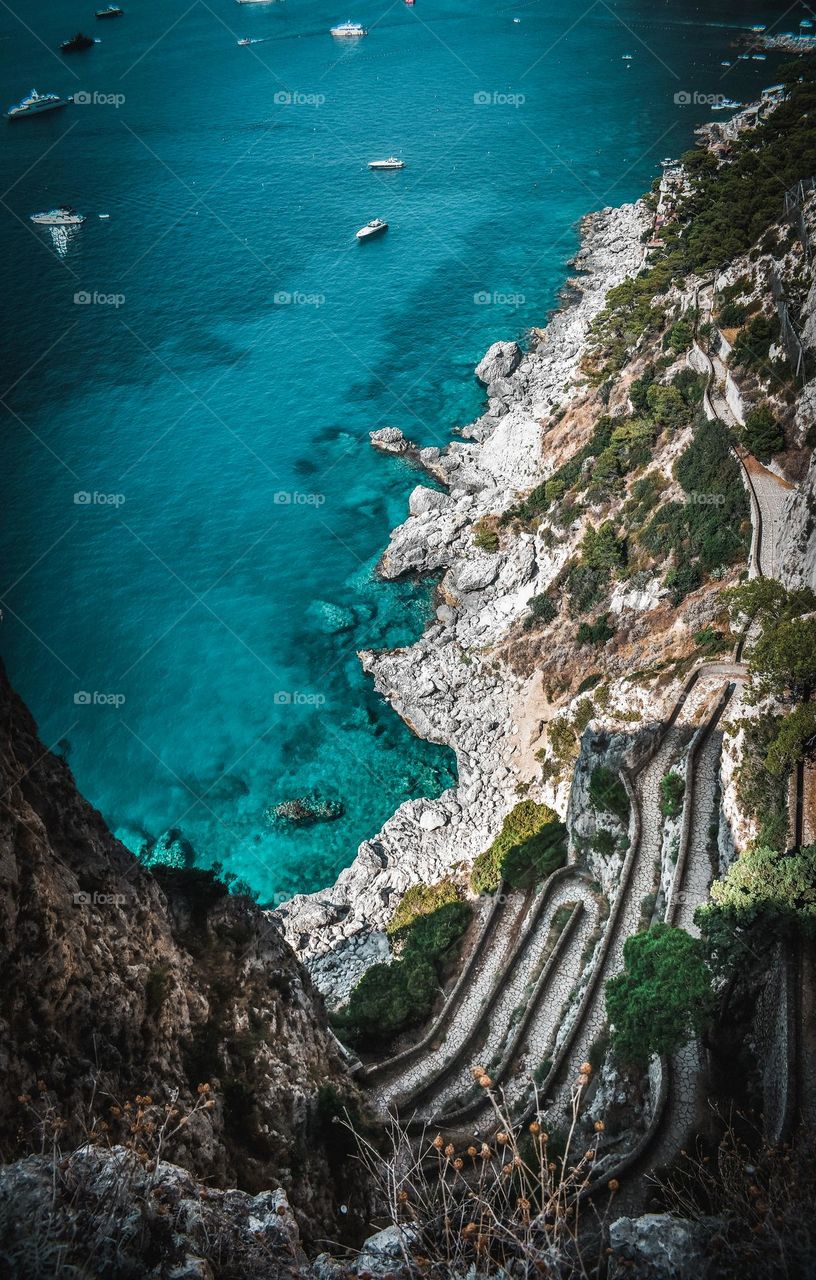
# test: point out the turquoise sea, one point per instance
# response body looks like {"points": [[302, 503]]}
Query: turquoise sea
{"points": [[191, 511]]}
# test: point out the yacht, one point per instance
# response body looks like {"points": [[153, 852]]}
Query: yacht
{"points": [[34, 103], [391, 163], [374, 228], [667, 162], [112, 11], [63, 217], [348, 29], [77, 43]]}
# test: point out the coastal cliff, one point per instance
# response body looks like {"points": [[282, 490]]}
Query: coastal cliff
{"points": [[447, 685], [118, 983]]}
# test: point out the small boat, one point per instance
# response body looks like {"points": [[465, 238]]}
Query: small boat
{"points": [[35, 103], [667, 162], [77, 43], [727, 104], [759, 27], [248, 40], [348, 30], [374, 228], [725, 63], [806, 22], [112, 11], [626, 57], [517, 20], [391, 163], [410, 1], [63, 217], [759, 57]]}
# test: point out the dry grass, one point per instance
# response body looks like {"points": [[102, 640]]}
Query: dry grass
{"points": [[515, 1206]]}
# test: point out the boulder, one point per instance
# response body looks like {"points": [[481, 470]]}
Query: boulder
{"points": [[422, 500], [499, 362], [672, 1248]]}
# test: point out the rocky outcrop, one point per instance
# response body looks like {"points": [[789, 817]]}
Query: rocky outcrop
{"points": [[119, 981]]}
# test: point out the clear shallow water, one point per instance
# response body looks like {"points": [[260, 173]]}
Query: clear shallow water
{"points": [[224, 592]]}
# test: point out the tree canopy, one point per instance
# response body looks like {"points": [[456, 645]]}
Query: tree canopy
{"points": [[662, 998]]}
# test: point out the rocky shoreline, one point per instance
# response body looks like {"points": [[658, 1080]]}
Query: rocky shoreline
{"points": [[448, 686]]}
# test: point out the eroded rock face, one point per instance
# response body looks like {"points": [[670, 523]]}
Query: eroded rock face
{"points": [[119, 981], [104, 1213]]}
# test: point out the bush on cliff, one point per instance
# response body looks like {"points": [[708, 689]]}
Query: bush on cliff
{"points": [[765, 895], [389, 998], [672, 790], [420, 900], [607, 792], [795, 741], [531, 844], [762, 434], [662, 998]]}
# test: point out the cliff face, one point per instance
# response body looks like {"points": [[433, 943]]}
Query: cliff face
{"points": [[116, 985]]}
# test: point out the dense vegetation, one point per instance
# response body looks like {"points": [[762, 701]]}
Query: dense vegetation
{"points": [[425, 930], [663, 996], [672, 790], [531, 844], [709, 529], [607, 793], [733, 204]]}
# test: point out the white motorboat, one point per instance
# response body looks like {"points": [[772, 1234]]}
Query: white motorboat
{"points": [[374, 228], [391, 163]]}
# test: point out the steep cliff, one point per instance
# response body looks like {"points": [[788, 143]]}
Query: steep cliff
{"points": [[117, 984]]}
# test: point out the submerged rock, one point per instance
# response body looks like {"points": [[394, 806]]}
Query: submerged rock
{"points": [[172, 849], [330, 618], [304, 810]]}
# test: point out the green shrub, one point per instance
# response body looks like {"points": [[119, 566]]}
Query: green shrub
{"points": [[607, 792], [764, 897], [711, 641], [602, 549], [585, 587], [590, 682], [420, 900], [762, 794], [389, 998], [672, 790], [733, 314], [604, 843], [530, 844], [595, 633], [485, 536], [795, 740], [667, 406], [680, 336], [662, 998], [584, 711], [432, 935], [542, 608], [783, 660], [762, 434], [753, 343]]}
